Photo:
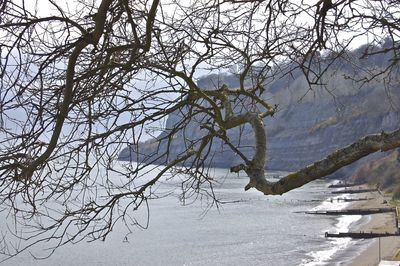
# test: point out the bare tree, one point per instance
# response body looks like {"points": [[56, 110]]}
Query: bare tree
{"points": [[81, 81]]}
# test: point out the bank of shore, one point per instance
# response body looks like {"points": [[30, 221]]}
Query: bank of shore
{"points": [[382, 222]]}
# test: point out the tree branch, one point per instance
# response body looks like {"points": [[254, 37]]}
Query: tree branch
{"points": [[254, 168], [359, 149], [92, 38]]}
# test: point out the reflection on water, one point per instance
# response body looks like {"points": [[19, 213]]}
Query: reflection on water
{"points": [[253, 230]]}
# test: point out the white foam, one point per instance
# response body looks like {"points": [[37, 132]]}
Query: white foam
{"points": [[332, 204], [342, 224]]}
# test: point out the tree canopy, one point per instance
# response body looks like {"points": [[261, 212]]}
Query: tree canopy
{"points": [[81, 80]]}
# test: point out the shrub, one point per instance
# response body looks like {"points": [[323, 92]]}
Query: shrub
{"points": [[396, 193]]}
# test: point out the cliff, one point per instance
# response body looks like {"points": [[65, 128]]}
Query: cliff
{"points": [[309, 125]]}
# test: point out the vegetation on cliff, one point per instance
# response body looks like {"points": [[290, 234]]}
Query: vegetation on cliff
{"points": [[383, 173]]}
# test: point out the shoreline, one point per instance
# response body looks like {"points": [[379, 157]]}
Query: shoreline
{"points": [[336, 250], [368, 253]]}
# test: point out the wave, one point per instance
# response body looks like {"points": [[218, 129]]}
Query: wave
{"points": [[341, 223]]}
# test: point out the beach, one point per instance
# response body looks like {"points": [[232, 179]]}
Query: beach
{"points": [[382, 222]]}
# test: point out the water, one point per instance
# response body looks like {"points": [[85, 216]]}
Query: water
{"points": [[253, 230], [334, 251]]}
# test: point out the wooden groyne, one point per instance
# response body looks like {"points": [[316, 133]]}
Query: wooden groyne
{"points": [[364, 211], [396, 219], [353, 211], [350, 191], [338, 199], [358, 235], [342, 185], [350, 200]]}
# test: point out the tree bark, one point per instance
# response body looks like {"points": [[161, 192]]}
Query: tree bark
{"points": [[359, 149]]}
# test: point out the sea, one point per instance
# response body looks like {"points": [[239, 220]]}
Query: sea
{"points": [[244, 228]]}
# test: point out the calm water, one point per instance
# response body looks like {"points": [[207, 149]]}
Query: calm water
{"points": [[254, 230]]}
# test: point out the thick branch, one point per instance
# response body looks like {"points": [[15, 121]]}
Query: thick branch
{"points": [[93, 38], [149, 24], [254, 168], [335, 161]]}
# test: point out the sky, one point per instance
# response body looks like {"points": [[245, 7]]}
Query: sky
{"points": [[46, 8]]}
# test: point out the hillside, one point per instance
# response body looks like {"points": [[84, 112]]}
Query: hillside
{"points": [[383, 173], [309, 124]]}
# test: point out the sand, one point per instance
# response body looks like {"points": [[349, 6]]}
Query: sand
{"points": [[383, 222]]}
